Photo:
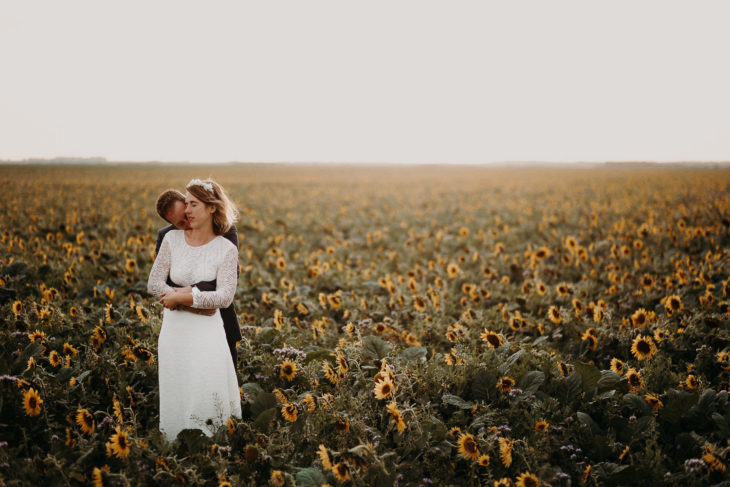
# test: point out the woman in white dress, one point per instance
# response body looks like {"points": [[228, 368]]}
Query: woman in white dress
{"points": [[198, 384]]}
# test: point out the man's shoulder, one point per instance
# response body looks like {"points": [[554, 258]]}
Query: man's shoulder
{"points": [[164, 230]]}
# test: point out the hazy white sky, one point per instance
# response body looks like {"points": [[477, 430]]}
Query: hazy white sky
{"points": [[389, 81]]}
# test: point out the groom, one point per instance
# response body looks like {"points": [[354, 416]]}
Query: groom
{"points": [[171, 207]]}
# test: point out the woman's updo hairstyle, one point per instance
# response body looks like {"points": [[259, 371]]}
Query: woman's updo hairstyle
{"points": [[212, 194]]}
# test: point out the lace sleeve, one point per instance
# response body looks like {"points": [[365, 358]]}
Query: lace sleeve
{"points": [[157, 282], [226, 281]]}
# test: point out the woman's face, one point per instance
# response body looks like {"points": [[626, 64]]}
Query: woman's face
{"points": [[197, 212]]}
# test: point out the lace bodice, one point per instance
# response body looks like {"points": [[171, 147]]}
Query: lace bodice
{"points": [[186, 265]]}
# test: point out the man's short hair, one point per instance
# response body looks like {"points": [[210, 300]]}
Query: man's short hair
{"points": [[166, 200]]}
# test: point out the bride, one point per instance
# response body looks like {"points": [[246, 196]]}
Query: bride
{"points": [[198, 384]]}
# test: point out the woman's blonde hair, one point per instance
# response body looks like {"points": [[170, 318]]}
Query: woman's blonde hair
{"points": [[212, 194]]}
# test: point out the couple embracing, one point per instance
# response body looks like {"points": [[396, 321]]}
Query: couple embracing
{"points": [[195, 275]]}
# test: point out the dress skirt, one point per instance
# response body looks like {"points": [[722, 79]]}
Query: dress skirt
{"points": [[197, 380]]}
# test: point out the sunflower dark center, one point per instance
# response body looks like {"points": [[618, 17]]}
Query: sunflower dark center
{"points": [[470, 445], [643, 347]]}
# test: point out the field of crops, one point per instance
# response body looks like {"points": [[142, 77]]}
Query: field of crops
{"points": [[402, 326]]}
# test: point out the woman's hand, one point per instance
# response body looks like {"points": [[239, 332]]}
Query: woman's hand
{"points": [[172, 299]]}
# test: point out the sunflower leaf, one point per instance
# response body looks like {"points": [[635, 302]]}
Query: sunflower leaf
{"points": [[414, 354], [375, 347], [264, 419], [310, 476], [483, 385], [457, 401], [589, 375], [531, 381], [504, 367], [262, 403], [676, 403]]}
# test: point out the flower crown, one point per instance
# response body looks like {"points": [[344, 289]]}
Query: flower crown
{"points": [[207, 186]]}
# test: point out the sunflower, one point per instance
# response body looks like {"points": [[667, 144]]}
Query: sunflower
{"points": [[691, 382], [412, 340], [290, 412], [310, 402], [672, 305], [503, 482], [638, 319], [397, 417], [225, 483], [119, 443], [419, 303], [73, 311], [528, 480], [541, 427], [617, 366], [505, 451], [130, 265], [577, 305], [288, 370], [660, 335], [483, 460], [562, 289], [277, 478], [383, 388], [563, 368], [142, 313], [554, 315], [32, 402], [380, 328], [571, 242], [542, 253], [452, 270], [643, 347], [505, 384], [17, 308], [117, 406], [54, 358], [37, 335], [634, 380], [516, 323], [591, 339], [97, 477], [302, 309], [85, 420], [647, 281], [494, 340], [342, 426], [653, 401], [143, 354], [341, 472], [324, 457], [454, 431], [468, 447], [541, 288], [597, 314]]}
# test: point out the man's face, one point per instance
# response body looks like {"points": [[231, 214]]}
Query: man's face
{"points": [[176, 216]]}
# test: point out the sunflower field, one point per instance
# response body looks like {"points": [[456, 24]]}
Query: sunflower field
{"points": [[408, 326]]}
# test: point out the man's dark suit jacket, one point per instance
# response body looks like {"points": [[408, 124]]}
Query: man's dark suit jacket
{"points": [[230, 320]]}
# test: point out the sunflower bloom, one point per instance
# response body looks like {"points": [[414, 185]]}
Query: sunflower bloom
{"points": [[541, 427], [494, 340], [635, 382], [505, 384], [468, 447], [32, 402], [341, 472], [324, 457], [85, 420], [397, 417], [638, 319], [383, 388], [505, 451], [653, 401], [119, 443], [554, 315], [483, 460], [691, 382], [528, 480], [672, 305], [277, 478], [290, 412], [288, 370], [643, 347], [618, 366]]}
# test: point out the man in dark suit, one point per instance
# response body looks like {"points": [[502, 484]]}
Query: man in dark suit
{"points": [[171, 207]]}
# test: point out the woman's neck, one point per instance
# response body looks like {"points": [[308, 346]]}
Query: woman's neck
{"points": [[199, 236]]}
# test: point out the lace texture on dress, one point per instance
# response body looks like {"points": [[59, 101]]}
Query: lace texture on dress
{"points": [[186, 265]]}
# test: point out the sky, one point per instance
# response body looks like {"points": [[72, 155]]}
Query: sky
{"points": [[378, 81]]}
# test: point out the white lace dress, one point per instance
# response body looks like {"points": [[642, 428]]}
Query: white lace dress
{"points": [[197, 380]]}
